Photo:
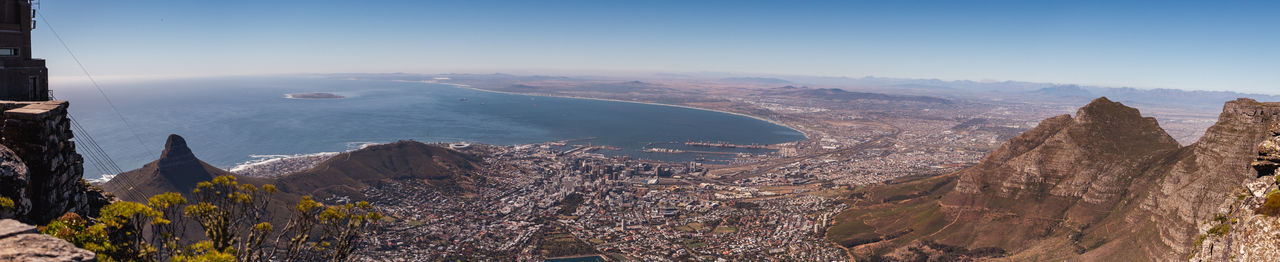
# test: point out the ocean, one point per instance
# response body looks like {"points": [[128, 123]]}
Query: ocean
{"points": [[234, 121]]}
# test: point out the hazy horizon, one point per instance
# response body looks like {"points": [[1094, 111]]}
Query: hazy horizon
{"points": [[1190, 46]]}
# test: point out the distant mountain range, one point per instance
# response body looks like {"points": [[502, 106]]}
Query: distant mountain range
{"points": [[1105, 184], [943, 89], [1033, 91], [843, 95]]}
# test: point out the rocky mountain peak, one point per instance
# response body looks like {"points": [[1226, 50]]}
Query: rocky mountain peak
{"points": [[1065, 169], [177, 170], [1106, 109], [175, 152]]}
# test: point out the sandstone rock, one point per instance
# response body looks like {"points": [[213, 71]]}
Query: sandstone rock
{"points": [[1271, 147], [1259, 187], [10, 227], [1252, 237], [40, 247], [21, 242]]}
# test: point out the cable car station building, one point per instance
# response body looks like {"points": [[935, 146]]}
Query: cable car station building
{"points": [[35, 131], [22, 78]]}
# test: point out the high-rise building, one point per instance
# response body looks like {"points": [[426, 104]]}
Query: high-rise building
{"points": [[22, 78]]}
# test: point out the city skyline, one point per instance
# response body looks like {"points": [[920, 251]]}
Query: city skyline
{"points": [[1192, 46]]}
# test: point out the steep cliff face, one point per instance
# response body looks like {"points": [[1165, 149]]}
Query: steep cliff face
{"points": [[1249, 230], [1205, 178]]}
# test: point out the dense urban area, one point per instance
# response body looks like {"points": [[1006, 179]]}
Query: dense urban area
{"points": [[560, 200]]}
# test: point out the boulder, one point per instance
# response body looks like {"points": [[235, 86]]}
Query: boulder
{"points": [[21, 242], [1270, 147]]}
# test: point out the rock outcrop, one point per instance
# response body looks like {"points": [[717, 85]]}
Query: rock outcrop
{"points": [[21, 242], [1268, 154], [38, 134]]}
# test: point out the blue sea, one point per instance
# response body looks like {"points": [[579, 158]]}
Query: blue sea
{"points": [[230, 121]]}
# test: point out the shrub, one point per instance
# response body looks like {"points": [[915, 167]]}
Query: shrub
{"points": [[204, 251], [75, 229], [6, 203], [235, 220], [1271, 206], [1220, 229]]}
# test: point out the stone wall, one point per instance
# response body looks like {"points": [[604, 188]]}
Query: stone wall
{"points": [[39, 135]]}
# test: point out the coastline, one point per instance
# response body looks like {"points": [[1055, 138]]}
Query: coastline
{"points": [[296, 97], [806, 135]]}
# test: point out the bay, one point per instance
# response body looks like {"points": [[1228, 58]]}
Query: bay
{"points": [[228, 121]]}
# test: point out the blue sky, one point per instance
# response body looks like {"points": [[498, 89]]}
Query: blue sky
{"points": [[1146, 44]]}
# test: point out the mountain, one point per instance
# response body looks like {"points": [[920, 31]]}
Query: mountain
{"points": [[1056, 175], [842, 95], [755, 80], [1106, 184], [1064, 91], [177, 170], [345, 174]]}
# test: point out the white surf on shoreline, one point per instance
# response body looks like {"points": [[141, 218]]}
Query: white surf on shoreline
{"points": [[103, 179], [264, 160], [341, 95], [278, 164]]}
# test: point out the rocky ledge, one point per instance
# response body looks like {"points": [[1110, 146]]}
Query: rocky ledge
{"points": [[21, 242], [1269, 153]]}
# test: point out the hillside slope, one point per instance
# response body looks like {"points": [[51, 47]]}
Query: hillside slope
{"points": [[345, 174]]}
